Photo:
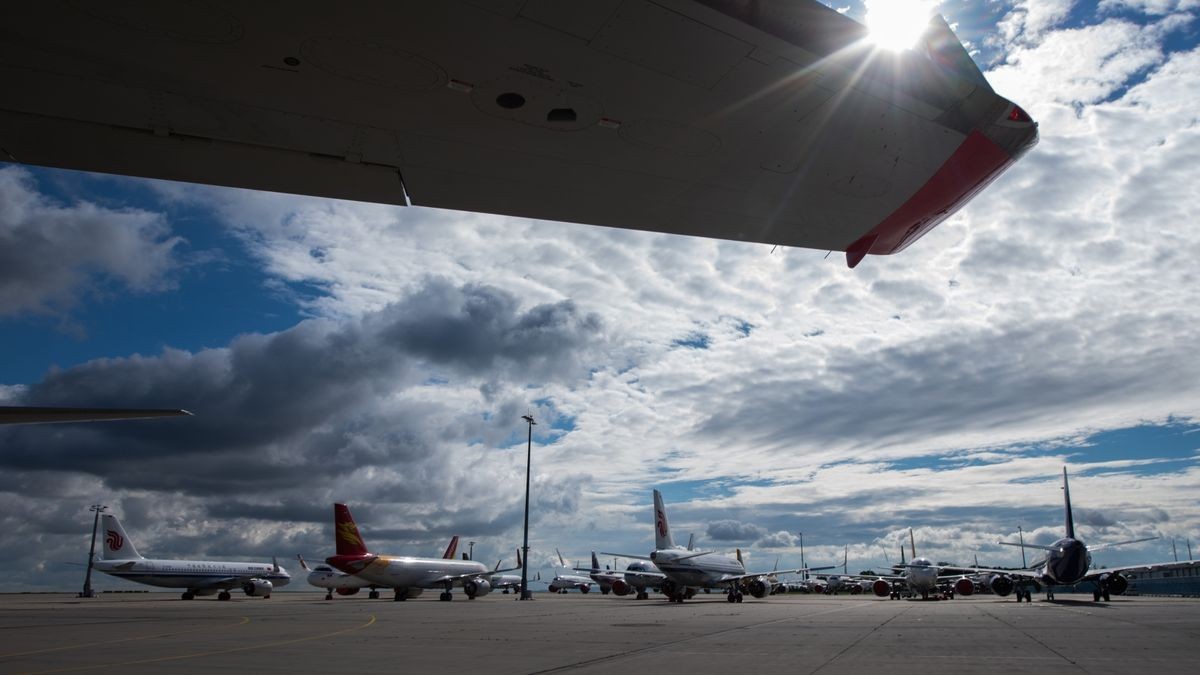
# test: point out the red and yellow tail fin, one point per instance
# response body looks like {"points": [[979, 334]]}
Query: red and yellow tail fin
{"points": [[451, 549], [345, 532]]}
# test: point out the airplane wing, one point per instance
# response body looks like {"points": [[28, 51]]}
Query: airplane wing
{"points": [[1103, 547], [755, 575], [1152, 567], [763, 121], [42, 415]]}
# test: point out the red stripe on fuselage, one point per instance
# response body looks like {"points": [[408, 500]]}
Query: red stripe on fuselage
{"points": [[975, 164]]}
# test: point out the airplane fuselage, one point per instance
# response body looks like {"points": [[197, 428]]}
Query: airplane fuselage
{"points": [[687, 569], [192, 574], [408, 572], [921, 575], [1067, 565]]}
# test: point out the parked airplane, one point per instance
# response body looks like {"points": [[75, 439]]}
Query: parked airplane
{"points": [[824, 143], [684, 572], [564, 582], [120, 558], [921, 576], [408, 576], [505, 582], [604, 578], [1067, 562], [324, 576]]}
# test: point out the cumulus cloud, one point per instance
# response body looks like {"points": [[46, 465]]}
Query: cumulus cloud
{"points": [[52, 254], [733, 530]]}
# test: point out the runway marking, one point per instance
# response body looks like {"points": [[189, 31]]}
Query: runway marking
{"points": [[660, 645], [196, 655], [1031, 636], [245, 620], [866, 635]]}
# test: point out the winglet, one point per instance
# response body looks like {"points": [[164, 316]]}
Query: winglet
{"points": [[859, 250]]}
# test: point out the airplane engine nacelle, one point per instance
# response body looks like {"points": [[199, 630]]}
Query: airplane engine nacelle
{"points": [[620, 587], [347, 591], [964, 586], [475, 588], [759, 588], [818, 588], [1113, 583], [1001, 585], [881, 588], [258, 587]]}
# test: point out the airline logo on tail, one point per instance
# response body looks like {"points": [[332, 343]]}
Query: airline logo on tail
{"points": [[114, 540], [348, 533], [661, 522]]}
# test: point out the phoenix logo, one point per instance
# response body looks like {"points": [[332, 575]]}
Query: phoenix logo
{"points": [[348, 533], [661, 522], [114, 540]]}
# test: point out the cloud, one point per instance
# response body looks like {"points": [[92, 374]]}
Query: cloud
{"points": [[733, 530], [52, 255]]}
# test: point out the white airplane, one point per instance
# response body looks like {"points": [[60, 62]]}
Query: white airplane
{"points": [[408, 576], [120, 558], [324, 576], [1066, 562], [777, 123], [604, 578], [684, 572], [564, 582], [921, 576], [505, 582]]}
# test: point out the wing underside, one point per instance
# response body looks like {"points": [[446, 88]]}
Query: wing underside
{"points": [[750, 121]]}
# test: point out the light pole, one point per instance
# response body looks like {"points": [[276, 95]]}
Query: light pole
{"points": [[802, 555], [525, 595], [87, 579], [471, 546]]}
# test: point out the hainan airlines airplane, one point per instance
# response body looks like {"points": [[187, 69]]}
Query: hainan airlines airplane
{"points": [[1067, 562], [409, 576], [324, 576], [199, 577], [684, 572]]}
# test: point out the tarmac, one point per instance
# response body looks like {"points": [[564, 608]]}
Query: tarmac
{"points": [[301, 632]]}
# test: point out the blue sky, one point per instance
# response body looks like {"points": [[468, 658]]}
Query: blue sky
{"points": [[383, 356]]}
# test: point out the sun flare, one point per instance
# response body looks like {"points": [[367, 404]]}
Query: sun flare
{"points": [[897, 24]]}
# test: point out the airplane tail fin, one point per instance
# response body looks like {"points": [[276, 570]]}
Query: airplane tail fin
{"points": [[519, 558], [117, 544], [662, 530], [303, 565], [739, 556], [692, 541], [912, 541], [560, 558], [595, 562], [1067, 502], [451, 549], [465, 557], [345, 532]]}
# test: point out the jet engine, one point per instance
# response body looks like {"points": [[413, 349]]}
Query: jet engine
{"points": [[620, 587], [964, 586], [669, 588], [1113, 583], [475, 588], [759, 588], [347, 591], [258, 587], [1000, 584], [881, 588]]}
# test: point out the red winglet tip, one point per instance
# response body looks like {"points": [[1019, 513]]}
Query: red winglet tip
{"points": [[859, 250]]}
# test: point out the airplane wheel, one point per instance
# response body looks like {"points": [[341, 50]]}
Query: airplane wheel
{"points": [[445, 596], [187, 596], [1095, 596], [329, 597], [224, 595], [729, 598], [1106, 596], [374, 595], [603, 592], [401, 596], [739, 597]]}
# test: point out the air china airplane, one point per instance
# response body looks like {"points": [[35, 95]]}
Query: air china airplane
{"points": [[1067, 562], [409, 576], [324, 576], [199, 577], [684, 571]]}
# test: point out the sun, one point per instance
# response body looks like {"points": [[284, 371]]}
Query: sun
{"points": [[897, 24]]}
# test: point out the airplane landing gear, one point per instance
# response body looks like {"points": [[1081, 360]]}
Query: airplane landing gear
{"points": [[643, 595], [401, 595], [446, 596], [1049, 595], [374, 595], [224, 595], [329, 595], [188, 595]]}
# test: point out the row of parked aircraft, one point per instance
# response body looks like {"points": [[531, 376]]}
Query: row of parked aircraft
{"points": [[678, 572]]}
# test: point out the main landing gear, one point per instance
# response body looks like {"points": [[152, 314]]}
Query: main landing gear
{"points": [[374, 594], [188, 595], [1027, 595], [329, 595], [401, 595], [224, 595], [1097, 594], [734, 596]]}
